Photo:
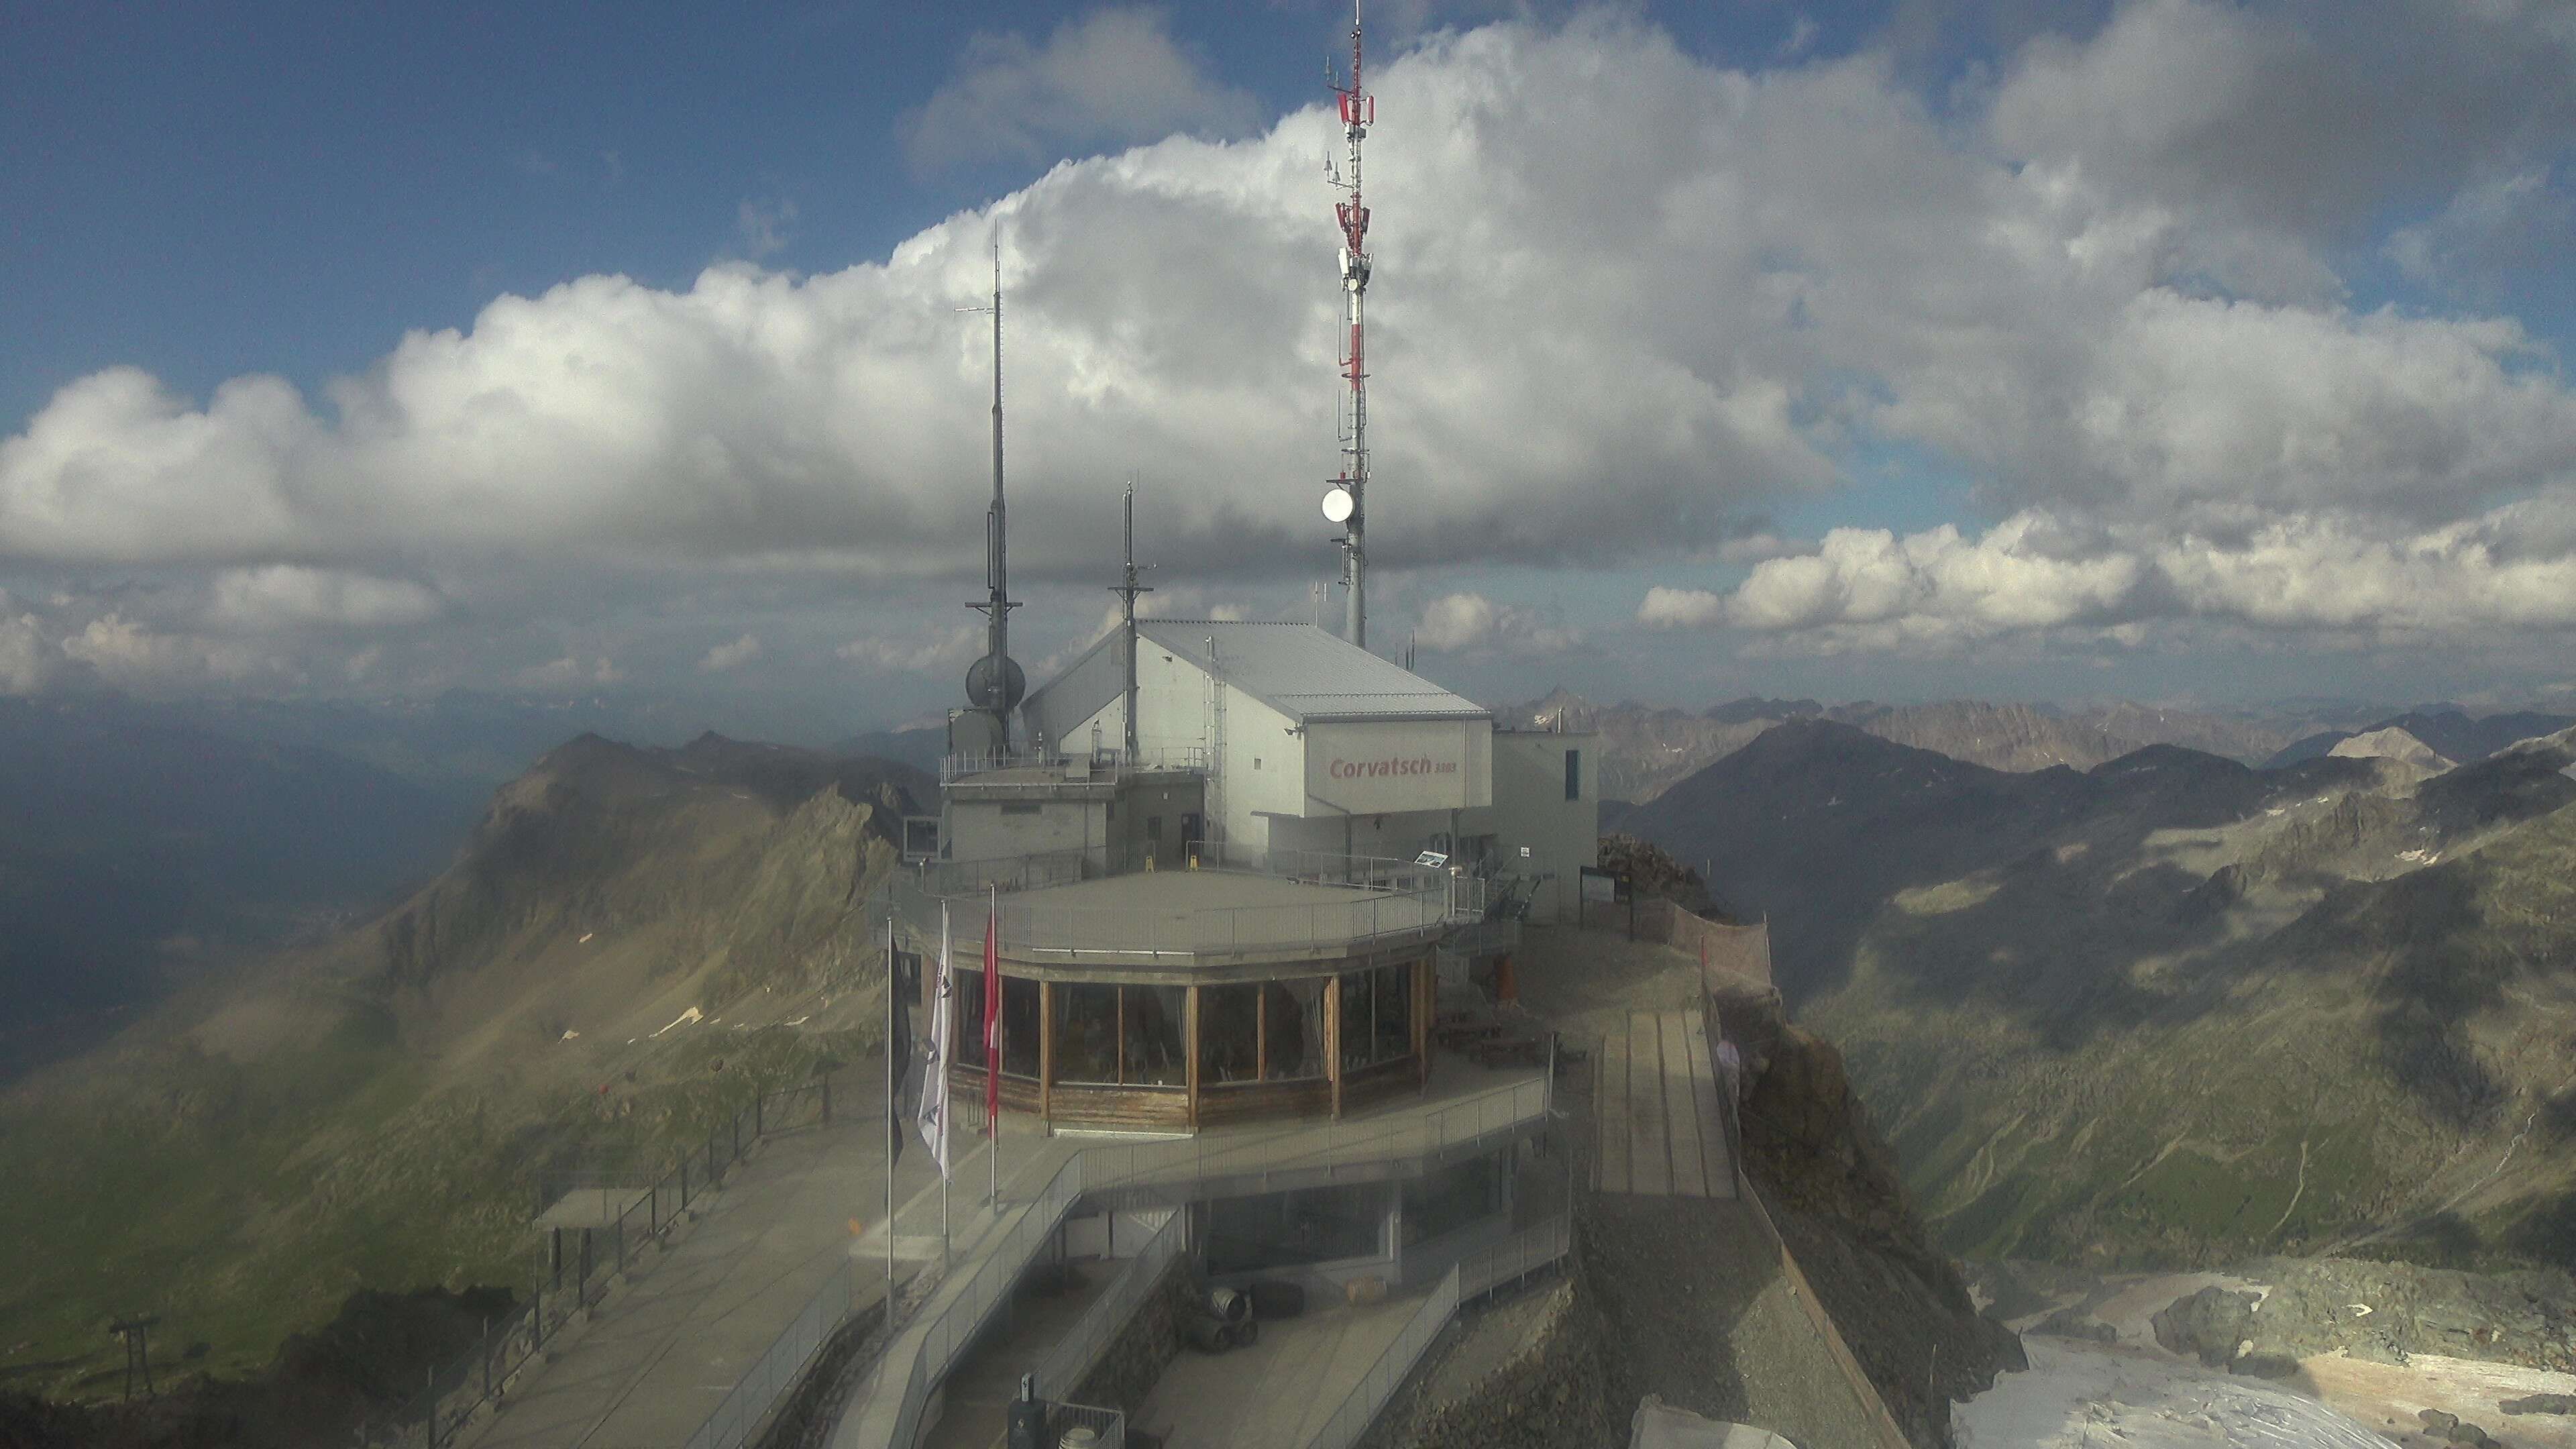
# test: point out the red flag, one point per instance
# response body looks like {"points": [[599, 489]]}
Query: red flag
{"points": [[993, 1016]]}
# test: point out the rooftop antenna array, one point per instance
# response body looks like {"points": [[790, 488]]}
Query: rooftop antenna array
{"points": [[995, 683], [1345, 501], [1127, 593]]}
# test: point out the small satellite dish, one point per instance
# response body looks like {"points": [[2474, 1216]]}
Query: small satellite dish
{"points": [[1337, 505]]}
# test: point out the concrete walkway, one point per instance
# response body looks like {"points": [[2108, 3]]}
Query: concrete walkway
{"points": [[666, 1346], [1660, 1133], [1277, 1393]]}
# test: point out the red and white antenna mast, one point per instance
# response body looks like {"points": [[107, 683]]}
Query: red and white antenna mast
{"points": [[1346, 501]]}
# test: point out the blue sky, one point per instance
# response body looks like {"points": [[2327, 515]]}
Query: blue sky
{"points": [[2168, 348]]}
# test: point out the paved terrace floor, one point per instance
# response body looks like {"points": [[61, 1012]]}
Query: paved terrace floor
{"points": [[1278, 1392], [1462, 1099], [666, 1346], [1206, 911]]}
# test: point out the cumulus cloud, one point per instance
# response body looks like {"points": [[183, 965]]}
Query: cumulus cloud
{"points": [[1110, 78], [763, 225], [571, 672], [132, 654], [917, 652], [2104, 286], [1869, 588], [730, 656], [1468, 622], [288, 596], [28, 659]]}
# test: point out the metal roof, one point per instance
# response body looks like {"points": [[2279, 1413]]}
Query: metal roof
{"points": [[1306, 673], [1301, 671], [1091, 684]]}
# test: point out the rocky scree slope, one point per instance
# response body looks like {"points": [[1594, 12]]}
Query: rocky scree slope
{"points": [[2172, 1010]]}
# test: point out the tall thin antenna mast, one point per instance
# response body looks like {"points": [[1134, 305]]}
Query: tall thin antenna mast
{"points": [[1127, 593], [1347, 500], [996, 684]]}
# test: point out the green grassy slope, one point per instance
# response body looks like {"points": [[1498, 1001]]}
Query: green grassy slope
{"points": [[2175, 1011], [374, 1112]]}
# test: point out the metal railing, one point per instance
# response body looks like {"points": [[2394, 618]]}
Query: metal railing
{"points": [[1369, 899], [1525, 1252], [1109, 1424], [1061, 1371], [1111, 1171], [1367, 1399], [581, 1265], [1093, 764], [943, 1340], [778, 1369]]}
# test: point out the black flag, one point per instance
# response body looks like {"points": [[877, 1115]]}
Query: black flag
{"points": [[904, 980]]}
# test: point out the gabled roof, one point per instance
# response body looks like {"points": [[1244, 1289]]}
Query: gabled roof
{"points": [[1305, 673], [1299, 670]]}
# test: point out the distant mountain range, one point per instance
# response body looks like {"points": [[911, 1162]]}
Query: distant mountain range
{"points": [[1646, 750], [2170, 1008], [626, 945], [140, 848]]}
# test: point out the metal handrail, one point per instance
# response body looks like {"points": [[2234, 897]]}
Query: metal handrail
{"points": [[1060, 1372], [1114, 762], [925, 1358], [1385, 899], [1368, 1397]]}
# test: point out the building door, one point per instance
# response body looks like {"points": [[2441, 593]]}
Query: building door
{"points": [[1193, 830]]}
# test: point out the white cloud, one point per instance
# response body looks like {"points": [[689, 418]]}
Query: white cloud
{"points": [[28, 660], [918, 653], [571, 672], [1625, 299], [763, 225], [288, 596], [133, 655], [1671, 608], [1113, 77], [1870, 589], [730, 656], [1468, 622]]}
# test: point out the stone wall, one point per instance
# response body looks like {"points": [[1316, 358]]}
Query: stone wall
{"points": [[1136, 1358]]}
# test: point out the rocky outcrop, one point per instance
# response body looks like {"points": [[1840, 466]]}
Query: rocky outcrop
{"points": [[1540, 1385], [2384, 1312]]}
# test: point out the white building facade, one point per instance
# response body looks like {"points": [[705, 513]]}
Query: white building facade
{"points": [[1310, 744]]}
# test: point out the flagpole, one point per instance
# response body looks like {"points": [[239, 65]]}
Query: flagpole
{"points": [[992, 1069], [947, 983], [894, 982]]}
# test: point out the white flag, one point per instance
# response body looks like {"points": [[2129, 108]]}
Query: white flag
{"points": [[934, 1075]]}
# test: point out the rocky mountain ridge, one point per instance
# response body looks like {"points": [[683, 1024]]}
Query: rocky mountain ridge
{"points": [[2172, 1009], [612, 962]]}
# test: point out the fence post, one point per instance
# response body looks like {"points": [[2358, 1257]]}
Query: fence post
{"points": [[760, 1116], [537, 1319], [585, 1267], [429, 1421], [827, 1093], [684, 1182]]}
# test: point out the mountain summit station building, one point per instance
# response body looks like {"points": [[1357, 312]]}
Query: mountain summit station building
{"points": [[1252, 911]]}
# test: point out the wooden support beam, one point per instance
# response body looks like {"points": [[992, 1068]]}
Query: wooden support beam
{"points": [[1046, 1051], [1121, 1036], [1333, 1038], [1191, 1035], [1261, 1031]]}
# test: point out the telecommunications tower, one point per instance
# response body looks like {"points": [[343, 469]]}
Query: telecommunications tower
{"points": [[995, 684], [1345, 502]]}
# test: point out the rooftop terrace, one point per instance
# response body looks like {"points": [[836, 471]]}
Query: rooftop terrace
{"points": [[1237, 909]]}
